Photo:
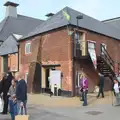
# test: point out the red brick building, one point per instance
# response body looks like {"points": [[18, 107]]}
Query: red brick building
{"points": [[62, 43], [59, 48]]}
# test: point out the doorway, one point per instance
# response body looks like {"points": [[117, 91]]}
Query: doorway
{"points": [[5, 63], [47, 78]]}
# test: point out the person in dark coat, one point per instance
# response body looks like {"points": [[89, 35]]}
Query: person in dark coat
{"points": [[9, 77], [101, 85], [0, 87], [21, 93], [4, 90], [5, 85]]}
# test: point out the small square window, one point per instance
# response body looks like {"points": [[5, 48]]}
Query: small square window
{"points": [[91, 45], [28, 48]]}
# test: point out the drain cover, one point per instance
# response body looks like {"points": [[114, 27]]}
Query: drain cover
{"points": [[93, 112]]}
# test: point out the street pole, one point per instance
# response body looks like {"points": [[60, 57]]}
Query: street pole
{"points": [[74, 53]]}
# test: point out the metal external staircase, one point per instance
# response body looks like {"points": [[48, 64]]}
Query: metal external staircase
{"points": [[105, 64]]}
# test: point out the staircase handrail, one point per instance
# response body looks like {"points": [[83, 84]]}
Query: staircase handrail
{"points": [[105, 52]]}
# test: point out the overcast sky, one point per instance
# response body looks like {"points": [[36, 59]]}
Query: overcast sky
{"points": [[99, 9]]}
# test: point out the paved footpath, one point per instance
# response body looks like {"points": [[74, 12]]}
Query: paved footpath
{"points": [[100, 112]]}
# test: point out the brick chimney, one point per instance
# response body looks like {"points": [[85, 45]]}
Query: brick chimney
{"points": [[11, 9]]}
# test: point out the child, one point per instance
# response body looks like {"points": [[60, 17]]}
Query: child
{"points": [[12, 102], [117, 91]]}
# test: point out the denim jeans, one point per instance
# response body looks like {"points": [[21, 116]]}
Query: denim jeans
{"points": [[21, 110], [100, 92], [13, 109], [85, 98]]}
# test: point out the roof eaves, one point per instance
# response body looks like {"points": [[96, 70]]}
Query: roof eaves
{"points": [[42, 24], [27, 37], [112, 19], [31, 18]]}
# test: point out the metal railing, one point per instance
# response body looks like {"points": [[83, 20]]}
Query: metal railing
{"points": [[80, 48], [105, 55]]}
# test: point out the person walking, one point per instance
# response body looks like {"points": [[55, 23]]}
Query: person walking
{"points": [[117, 91], [21, 94], [85, 89], [12, 102], [101, 85]]}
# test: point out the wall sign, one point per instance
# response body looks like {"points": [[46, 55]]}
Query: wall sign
{"points": [[92, 52]]}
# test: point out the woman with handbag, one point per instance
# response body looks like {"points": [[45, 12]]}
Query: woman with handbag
{"points": [[117, 91], [84, 89]]}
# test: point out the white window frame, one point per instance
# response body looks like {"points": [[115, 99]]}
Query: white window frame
{"points": [[92, 43], [78, 79], [28, 44], [26, 77]]}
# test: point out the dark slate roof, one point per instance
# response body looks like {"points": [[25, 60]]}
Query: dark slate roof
{"points": [[58, 20], [21, 25], [9, 46], [115, 22]]}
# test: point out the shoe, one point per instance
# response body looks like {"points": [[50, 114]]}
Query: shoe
{"points": [[97, 97], [3, 113], [84, 105]]}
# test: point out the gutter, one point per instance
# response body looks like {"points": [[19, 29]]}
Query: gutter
{"points": [[73, 67], [18, 56]]}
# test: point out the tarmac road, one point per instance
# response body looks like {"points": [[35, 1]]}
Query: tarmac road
{"points": [[100, 112]]}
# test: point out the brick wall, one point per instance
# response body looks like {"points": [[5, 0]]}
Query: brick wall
{"points": [[113, 48], [56, 49], [26, 60]]}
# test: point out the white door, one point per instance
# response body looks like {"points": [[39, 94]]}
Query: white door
{"points": [[79, 75], [55, 79]]}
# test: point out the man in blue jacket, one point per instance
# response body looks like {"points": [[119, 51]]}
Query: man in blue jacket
{"points": [[21, 94]]}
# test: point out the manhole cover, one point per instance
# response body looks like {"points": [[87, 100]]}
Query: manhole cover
{"points": [[93, 112]]}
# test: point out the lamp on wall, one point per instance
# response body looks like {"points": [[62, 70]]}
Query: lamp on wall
{"points": [[79, 17]]}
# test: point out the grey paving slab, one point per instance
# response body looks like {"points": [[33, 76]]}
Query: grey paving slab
{"points": [[105, 112], [4, 117], [100, 112]]}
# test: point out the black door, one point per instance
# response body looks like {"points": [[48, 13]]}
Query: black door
{"points": [[5, 63], [47, 79]]}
